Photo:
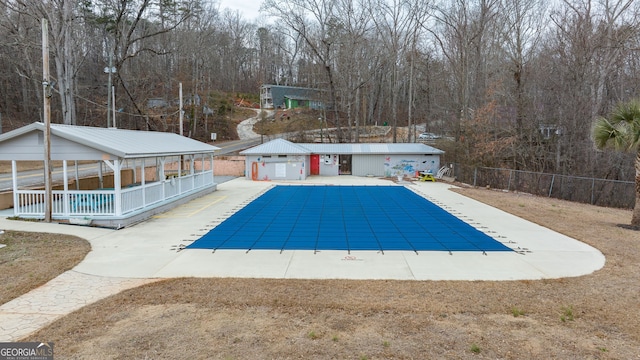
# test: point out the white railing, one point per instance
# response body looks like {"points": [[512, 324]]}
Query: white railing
{"points": [[30, 202], [186, 184], [83, 203], [132, 199], [153, 193], [198, 180], [171, 188], [101, 202]]}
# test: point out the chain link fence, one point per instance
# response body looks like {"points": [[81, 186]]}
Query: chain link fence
{"points": [[601, 192]]}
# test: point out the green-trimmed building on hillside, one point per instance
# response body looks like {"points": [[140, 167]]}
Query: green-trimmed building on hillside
{"points": [[290, 97]]}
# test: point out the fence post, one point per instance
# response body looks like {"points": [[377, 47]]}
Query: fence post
{"points": [[593, 185], [553, 178], [509, 183], [475, 176]]}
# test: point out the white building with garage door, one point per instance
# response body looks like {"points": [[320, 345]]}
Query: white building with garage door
{"points": [[280, 159]]}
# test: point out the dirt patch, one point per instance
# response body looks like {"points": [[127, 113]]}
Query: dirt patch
{"points": [[31, 259], [588, 317], [288, 121]]}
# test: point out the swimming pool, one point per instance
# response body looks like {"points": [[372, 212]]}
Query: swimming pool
{"points": [[327, 217]]}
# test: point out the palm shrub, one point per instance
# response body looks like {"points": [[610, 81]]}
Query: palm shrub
{"points": [[621, 131]]}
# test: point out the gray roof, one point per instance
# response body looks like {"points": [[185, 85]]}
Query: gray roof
{"points": [[119, 142], [373, 148], [277, 146], [281, 146]]}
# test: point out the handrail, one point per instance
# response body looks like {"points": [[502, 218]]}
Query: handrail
{"points": [[100, 202]]}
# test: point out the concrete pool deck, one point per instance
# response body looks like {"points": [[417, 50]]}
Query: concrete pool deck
{"points": [[149, 251]]}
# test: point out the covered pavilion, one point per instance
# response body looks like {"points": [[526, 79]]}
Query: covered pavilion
{"points": [[136, 174]]}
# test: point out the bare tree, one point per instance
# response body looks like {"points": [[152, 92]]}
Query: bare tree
{"points": [[318, 35], [131, 33], [66, 21], [20, 57], [460, 31], [396, 23], [486, 72], [523, 25], [590, 42], [353, 55]]}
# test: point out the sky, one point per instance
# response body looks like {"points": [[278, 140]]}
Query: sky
{"points": [[248, 8]]}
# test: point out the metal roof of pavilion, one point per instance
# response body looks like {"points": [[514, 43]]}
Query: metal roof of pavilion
{"points": [[118, 142], [281, 146]]}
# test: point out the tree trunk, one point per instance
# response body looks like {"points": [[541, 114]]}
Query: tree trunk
{"points": [[635, 219], [65, 60]]}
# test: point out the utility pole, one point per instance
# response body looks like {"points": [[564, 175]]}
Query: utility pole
{"points": [[180, 110], [113, 104], [46, 96], [110, 92], [181, 130]]}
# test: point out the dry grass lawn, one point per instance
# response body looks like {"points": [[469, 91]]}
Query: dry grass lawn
{"points": [[31, 259], [589, 317]]}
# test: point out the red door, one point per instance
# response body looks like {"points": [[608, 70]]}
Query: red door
{"points": [[315, 164]]}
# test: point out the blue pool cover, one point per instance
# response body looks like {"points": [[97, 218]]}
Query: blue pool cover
{"points": [[381, 218]]}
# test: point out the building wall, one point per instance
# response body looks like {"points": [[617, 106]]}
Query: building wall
{"points": [[408, 165], [432, 163], [299, 103], [329, 165], [364, 165], [266, 98], [229, 166], [297, 167], [273, 96], [274, 167], [295, 103], [316, 105]]}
